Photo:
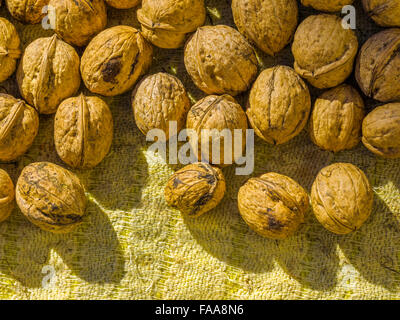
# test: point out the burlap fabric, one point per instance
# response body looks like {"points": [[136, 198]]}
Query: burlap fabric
{"points": [[132, 246]]}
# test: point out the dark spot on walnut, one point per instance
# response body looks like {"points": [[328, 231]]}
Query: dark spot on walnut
{"points": [[111, 69]]}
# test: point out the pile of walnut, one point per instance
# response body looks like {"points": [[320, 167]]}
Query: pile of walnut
{"points": [[222, 62]]}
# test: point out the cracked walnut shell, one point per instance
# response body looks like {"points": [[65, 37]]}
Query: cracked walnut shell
{"points": [[48, 73], [195, 189], [123, 4], [51, 197], [220, 115], [268, 24], [157, 100], [220, 60], [7, 195], [342, 198], [381, 131], [83, 131], [327, 5], [378, 66], [279, 105], [27, 11], [114, 60], [324, 51], [10, 49], [165, 23], [386, 13], [19, 125], [77, 21], [336, 120], [273, 205]]}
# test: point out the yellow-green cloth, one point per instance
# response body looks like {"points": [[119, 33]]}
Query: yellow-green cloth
{"points": [[132, 246]]}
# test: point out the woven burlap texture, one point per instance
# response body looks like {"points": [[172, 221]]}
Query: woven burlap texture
{"points": [[132, 246]]}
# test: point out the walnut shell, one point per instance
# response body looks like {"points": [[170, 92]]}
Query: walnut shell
{"points": [[77, 21], [381, 131], [216, 113], [27, 11], [342, 198], [114, 60], [48, 73], [378, 66], [220, 60], [123, 4], [324, 51], [273, 205], [195, 189], [165, 23], [386, 13], [279, 105], [159, 99], [19, 125], [83, 131], [10, 49], [7, 195], [268, 24], [51, 197], [336, 120], [327, 6]]}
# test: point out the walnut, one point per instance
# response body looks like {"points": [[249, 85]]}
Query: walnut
{"points": [[381, 131], [19, 125], [77, 21], [327, 6], [83, 131], [114, 60], [159, 99], [336, 120], [195, 189], [378, 66], [123, 4], [386, 13], [51, 197], [273, 205], [220, 60], [279, 105], [165, 23], [48, 73], [27, 11], [9, 49], [7, 195], [342, 198], [221, 113], [324, 51], [268, 24]]}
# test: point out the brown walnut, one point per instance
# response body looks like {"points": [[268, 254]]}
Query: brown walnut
{"points": [[336, 120], [386, 13], [123, 4], [7, 195], [19, 125], [159, 99], [273, 205], [220, 113], [327, 5], [48, 73], [381, 131], [342, 198], [77, 21], [279, 105], [195, 189], [27, 11], [51, 197], [324, 51], [114, 60], [165, 23], [268, 24], [220, 60], [83, 131], [378, 66], [10, 49]]}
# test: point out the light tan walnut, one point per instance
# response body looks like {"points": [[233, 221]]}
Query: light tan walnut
{"points": [[10, 50]]}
